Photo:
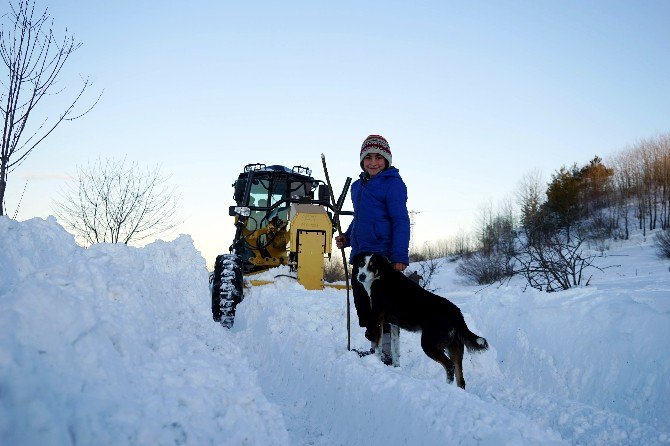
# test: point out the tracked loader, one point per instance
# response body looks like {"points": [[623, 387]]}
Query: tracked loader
{"points": [[282, 216]]}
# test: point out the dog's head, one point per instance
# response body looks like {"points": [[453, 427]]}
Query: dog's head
{"points": [[370, 267]]}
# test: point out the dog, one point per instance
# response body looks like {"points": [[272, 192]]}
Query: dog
{"points": [[396, 299]]}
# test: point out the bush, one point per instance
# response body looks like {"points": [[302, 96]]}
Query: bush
{"points": [[554, 262], [424, 272], [484, 268], [663, 243], [333, 269], [598, 231]]}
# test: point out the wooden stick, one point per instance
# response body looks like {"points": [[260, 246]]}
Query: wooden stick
{"points": [[336, 220]]}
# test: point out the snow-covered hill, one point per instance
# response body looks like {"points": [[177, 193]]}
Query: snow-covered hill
{"points": [[115, 345]]}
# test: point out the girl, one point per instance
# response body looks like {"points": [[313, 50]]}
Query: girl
{"points": [[381, 222]]}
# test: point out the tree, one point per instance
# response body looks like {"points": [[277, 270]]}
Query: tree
{"points": [[563, 194], [529, 195], [624, 186], [116, 203], [642, 180], [33, 59], [595, 179], [664, 177]]}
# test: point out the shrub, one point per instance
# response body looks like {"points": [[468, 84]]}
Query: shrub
{"points": [[598, 230], [333, 269], [483, 268], [424, 272], [554, 262], [663, 243]]}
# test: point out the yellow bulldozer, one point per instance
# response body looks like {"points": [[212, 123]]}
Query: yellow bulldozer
{"points": [[283, 216]]}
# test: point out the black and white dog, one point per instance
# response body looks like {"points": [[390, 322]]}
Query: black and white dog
{"points": [[398, 300]]}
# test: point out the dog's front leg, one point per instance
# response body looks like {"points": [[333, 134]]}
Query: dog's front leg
{"points": [[377, 338], [374, 331]]}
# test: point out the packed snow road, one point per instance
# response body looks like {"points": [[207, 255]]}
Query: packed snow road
{"points": [[296, 341]]}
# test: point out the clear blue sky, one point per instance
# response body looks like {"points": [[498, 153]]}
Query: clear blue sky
{"points": [[470, 95]]}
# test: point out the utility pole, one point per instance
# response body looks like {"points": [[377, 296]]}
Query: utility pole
{"points": [[411, 229]]}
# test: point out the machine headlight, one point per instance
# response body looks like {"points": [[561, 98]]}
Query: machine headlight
{"points": [[242, 210]]}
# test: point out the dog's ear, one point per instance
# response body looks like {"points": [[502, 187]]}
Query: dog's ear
{"points": [[374, 263], [360, 260]]}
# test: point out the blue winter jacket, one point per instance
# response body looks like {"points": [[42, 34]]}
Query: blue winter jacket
{"points": [[381, 221]]}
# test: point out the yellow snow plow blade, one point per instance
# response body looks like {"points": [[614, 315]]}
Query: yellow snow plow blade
{"points": [[256, 282]]}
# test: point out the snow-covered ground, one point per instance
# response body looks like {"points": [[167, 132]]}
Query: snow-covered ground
{"points": [[115, 345]]}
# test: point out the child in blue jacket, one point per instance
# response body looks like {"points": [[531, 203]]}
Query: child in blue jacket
{"points": [[381, 220]]}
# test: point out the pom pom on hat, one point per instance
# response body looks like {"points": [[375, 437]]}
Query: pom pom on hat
{"points": [[376, 144]]}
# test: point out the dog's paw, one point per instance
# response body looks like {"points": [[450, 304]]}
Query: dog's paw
{"points": [[363, 353], [386, 358]]}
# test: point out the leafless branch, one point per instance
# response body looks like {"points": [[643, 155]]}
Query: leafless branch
{"points": [[34, 59], [554, 262], [117, 202]]}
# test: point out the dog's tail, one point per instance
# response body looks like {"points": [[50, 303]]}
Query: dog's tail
{"points": [[473, 342]]}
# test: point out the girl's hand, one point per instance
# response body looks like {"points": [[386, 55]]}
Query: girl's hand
{"points": [[340, 241], [399, 267]]}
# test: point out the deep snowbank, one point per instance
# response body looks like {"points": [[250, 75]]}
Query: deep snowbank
{"points": [[115, 345], [603, 349]]}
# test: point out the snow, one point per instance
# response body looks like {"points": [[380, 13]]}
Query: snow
{"points": [[116, 345]]}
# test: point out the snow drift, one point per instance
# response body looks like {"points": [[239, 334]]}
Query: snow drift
{"points": [[115, 345]]}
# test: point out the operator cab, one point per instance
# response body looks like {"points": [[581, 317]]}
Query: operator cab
{"points": [[272, 189]]}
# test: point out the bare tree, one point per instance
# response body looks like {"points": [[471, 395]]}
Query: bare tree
{"points": [[34, 59], [530, 193], [624, 184], [118, 203], [642, 180], [461, 244], [665, 171]]}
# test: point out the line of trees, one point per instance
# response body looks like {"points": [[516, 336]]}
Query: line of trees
{"points": [[550, 234], [453, 247], [581, 207], [642, 181]]}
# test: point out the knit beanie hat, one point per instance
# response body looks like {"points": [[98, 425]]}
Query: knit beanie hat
{"points": [[376, 144]]}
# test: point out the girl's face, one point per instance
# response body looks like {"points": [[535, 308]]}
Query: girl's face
{"points": [[373, 163]]}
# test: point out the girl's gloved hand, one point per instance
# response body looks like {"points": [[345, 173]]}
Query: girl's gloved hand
{"points": [[340, 241]]}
